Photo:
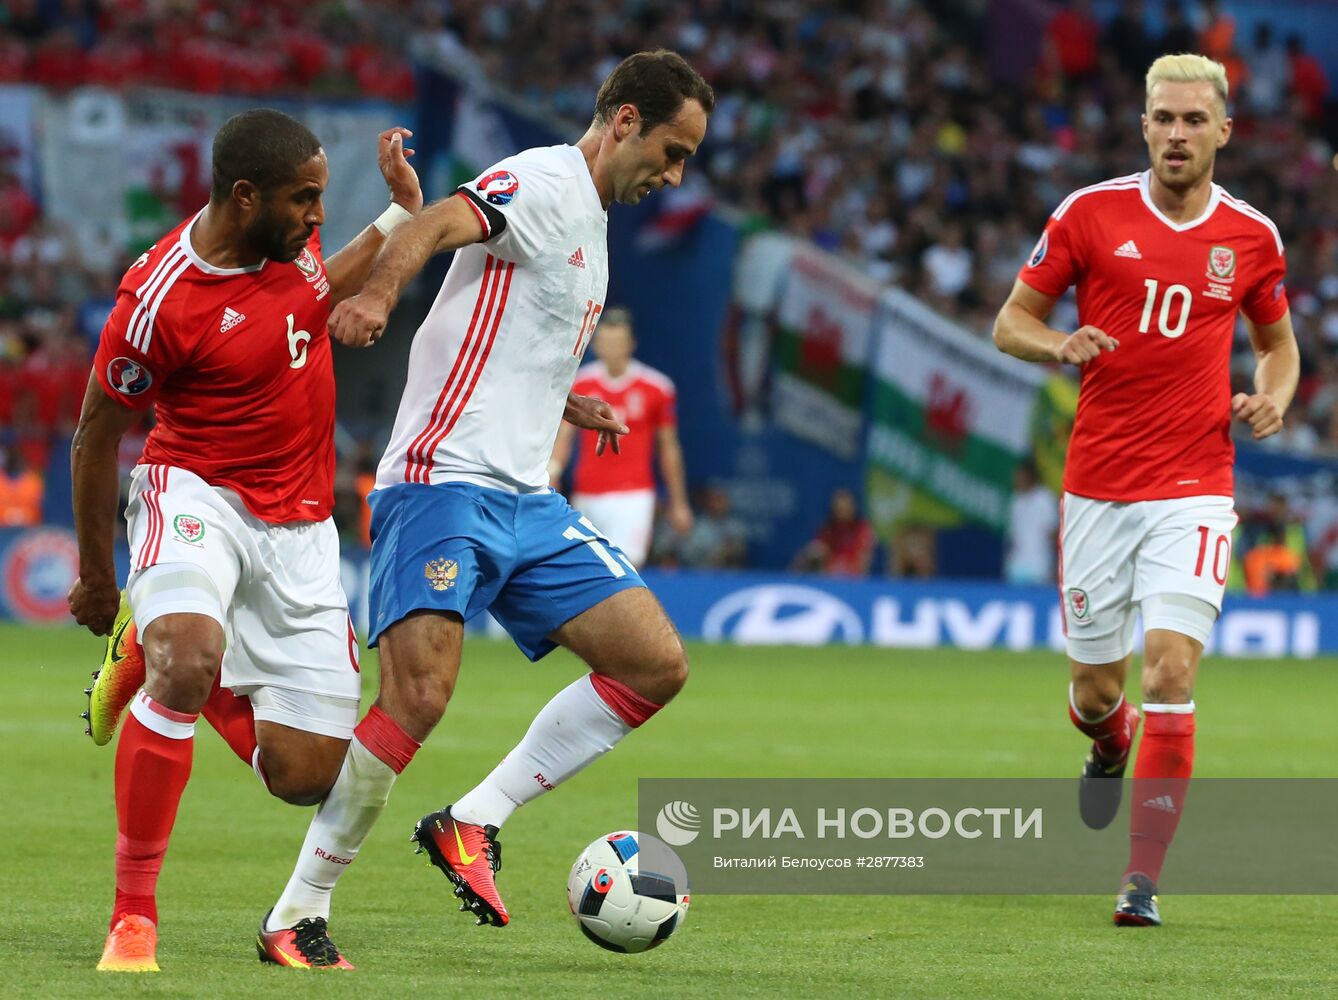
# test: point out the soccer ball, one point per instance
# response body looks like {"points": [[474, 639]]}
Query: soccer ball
{"points": [[628, 891]]}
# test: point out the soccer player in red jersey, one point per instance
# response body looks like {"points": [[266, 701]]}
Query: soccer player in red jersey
{"points": [[221, 327], [1163, 261], [618, 492]]}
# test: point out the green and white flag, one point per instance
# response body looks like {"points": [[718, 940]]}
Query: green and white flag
{"points": [[951, 418], [822, 348]]}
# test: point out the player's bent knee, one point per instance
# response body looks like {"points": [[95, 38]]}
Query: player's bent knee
{"points": [[419, 700], [300, 767], [180, 672], [295, 788], [1168, 687], [662, 675], [1094, 700], [674, 674]]}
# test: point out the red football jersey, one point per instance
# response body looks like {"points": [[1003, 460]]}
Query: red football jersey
{"points": [[1154, 414], [238, 364], [645, 401]]}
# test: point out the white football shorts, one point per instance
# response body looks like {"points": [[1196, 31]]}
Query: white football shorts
{"points": [[625, 517], [1169, 556], [274, 588]]}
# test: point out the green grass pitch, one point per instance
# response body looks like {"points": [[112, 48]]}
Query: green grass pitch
{"points": [[746, 712]]}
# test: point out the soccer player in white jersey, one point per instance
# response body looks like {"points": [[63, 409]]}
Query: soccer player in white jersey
{"points": [[463, 519]]}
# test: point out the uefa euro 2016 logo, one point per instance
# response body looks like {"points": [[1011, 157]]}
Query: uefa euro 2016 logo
{"points": [[499, 187], [127, 376]]}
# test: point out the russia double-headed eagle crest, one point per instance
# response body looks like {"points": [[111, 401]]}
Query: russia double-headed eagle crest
{"points": [[441, 573]]}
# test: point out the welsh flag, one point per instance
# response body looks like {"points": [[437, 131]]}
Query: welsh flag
{"points": [[951, 418], [825, 321]]}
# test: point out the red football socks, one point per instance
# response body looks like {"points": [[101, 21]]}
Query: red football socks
{"points": [[153, 762], [1161, 779], [1113, 732], [234, 719]]}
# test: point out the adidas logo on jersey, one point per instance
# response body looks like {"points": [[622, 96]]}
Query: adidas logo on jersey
{"points": [[1127, 249], [231, 317], [1163, 803], [577, 259]]}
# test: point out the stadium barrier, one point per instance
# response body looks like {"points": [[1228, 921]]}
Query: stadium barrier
{"points": [[38, 565]]}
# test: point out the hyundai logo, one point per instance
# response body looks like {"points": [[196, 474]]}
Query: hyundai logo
{"points": [[783, 613]]}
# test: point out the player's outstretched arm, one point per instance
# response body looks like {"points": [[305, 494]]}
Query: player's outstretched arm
{"points": [[95, 597], [444, 225], [348, 268], [1020, 330], [1276, 372]]}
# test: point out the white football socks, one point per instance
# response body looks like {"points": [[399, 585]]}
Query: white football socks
{"points": [[572, 730], [337, 832]]}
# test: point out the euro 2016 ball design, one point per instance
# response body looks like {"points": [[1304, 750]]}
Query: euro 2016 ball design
{"points": [[628, 892]]}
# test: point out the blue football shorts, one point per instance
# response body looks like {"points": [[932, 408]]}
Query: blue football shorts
{"points": [[529, 558]]}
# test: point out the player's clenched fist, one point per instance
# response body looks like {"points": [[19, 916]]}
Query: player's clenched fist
{"points": [[358, 321], [1260, 411], [94, 604], [1083, 345]]}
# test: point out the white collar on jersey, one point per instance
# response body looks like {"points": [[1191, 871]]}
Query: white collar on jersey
{"points": [[1145, 189], [588, 190], [633, 372], [203, 264]]}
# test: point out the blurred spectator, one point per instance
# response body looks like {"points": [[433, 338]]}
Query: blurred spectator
{"points": [[355, 477], [1178, 35], [1127, 37], [948, 263], [21, 491], [1274, 551], [718, 539], [1270, 564], [364, 482], [914, 552], [845, 543], [1033, 520], [1309, 84], [1270, 74], [18, 211], [1217, 40], [1321, 532], [1072, 37]]}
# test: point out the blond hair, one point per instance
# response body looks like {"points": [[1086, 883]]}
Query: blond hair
{"points": [[1187, 67]]}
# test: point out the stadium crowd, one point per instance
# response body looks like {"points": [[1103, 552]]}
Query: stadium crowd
{"points": [[877, 131], [874, 129]]}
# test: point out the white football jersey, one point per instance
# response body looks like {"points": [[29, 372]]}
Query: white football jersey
{"points": [[491, 365]]}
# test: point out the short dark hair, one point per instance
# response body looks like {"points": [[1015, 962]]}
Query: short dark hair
{"points": [[657, 83], [263, 146], [617, 316]]}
